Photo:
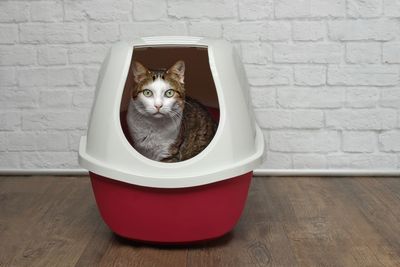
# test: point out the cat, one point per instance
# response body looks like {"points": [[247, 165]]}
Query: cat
{"points": [[164, 124]]}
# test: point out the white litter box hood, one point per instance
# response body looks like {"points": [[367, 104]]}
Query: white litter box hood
{"points": [[237, 147]]}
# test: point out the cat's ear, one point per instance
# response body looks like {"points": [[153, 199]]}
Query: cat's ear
{"points": [[179, 69], [139, 71]]}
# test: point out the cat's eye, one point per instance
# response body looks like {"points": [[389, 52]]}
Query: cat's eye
{"points": [[169, 93], [147, 92]]}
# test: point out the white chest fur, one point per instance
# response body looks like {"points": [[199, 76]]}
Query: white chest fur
{"points": [[152, 136]]}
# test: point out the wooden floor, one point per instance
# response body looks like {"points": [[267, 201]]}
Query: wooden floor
{"points": [[53, 221]]}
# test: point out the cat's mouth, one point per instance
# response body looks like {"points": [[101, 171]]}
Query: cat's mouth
{"points": [[158, 114]]}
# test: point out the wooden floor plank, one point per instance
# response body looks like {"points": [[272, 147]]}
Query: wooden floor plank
{"points": [[302, 221]]}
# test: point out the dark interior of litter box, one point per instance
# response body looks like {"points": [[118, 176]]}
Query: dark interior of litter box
{"points": [[199, 83]]}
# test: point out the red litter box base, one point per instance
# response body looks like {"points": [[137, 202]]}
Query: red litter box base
{"points": [[171, 216]]}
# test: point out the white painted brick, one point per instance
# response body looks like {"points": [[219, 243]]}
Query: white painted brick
{"points": [[390, 97], [90, 75], [309, 30], [255, 9], [10, 121], [53, 160], [362, 97], [12, 98], [37, 141], [281, 118], [263, 97], [308, 53], [103, 32], [59, 120], [52, 33], [364, 8], [390, 52], [83, 99], [277, 160], [98, 10], [52, 55], [149, 10], [309, 8], [87, 54], [304, 141], [359, 141], [193, 9], [357, 30], [390, 141], [205, 29], [7, 77], [309, 161], [47, 11], [256, 53], [140, 29], [305, 97], [362, 161], [262, 75], [8, 33], [361, 119], [74, 138], [49, 77], [391, 8], [55, 98], [17, 55], [10, 160], [310, 75], [363, 75], [276, 31], [14, 11], [244, 31], [3, 142], [363, 52]]}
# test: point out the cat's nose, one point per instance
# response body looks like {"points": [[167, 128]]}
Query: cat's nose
{"points": [[158, 106]]}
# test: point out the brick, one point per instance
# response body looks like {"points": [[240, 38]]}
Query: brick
{"points": [[256, 53], [10, 121], [17, 55], [52, 33], [74, 138], [57, 120], [90, 75], [309, 30], [8, 34], [363, 53], [103, 32], [276, 31], [194, 9], [391, 8], [14, 11], [48, 77], [140, 29], [149, 10], [362, 97], [263, 97], [83, 99], [277, 160], [10, 160], [280, 118], [361, 119], [390, 141], [308, 53], [205, 29], [309, 8], [309, 161], [47, 11], [359, 30], [310, 75], [364, 8], [244, 31], [390, 97], [53, 160], [55, 98], [7, 77], [390, 52], [359, 141], [255, 9], [37, 141], [261, 75], [305, 97], [363, 75], [362, 161], [52, 55], [13, 98], [87, 54], [304, 141], [98, 10]]}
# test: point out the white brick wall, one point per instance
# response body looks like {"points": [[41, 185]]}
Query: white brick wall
{"points": [[324, 74]]}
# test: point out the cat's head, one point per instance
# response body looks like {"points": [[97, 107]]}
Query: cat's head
{"points": [[159, 93]]}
